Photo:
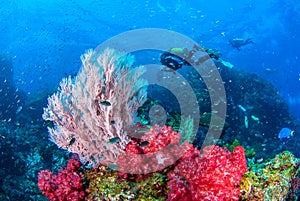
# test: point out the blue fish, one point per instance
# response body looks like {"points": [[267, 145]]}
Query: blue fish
{"points": [[285, 133]]}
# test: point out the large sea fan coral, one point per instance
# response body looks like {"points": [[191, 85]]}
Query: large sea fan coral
{"points": [[96, 106]]}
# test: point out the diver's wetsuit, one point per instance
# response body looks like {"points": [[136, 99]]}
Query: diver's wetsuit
{"points": [[172, 61], [175, 62]]}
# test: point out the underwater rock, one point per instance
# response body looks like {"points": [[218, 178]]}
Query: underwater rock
{"points": [[255, 109], [205, 119], [272, 180], [256, 112], [258, 98]]}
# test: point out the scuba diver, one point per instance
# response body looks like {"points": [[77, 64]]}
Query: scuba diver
{"points": [[171, 60], [239, 42], [176, 57]]}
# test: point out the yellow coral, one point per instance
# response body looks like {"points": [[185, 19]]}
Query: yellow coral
{"points": [[272, 181]]}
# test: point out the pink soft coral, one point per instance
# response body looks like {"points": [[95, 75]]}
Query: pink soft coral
{"points": [[162, 150], [65, 186], [212, 176]]}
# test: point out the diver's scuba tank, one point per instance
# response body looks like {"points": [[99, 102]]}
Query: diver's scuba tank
{"points": [[172, 60]]}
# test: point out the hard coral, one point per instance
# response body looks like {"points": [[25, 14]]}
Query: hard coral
{"points": [[65, 186], [106, 185], [214, 175], [272, 180]]}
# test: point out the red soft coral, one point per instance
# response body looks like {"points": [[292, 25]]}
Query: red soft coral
{"points": [[65, 186], [162, 149], [213, 176]]}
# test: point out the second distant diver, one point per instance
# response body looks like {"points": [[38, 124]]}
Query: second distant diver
{"points": [[239, 42]]}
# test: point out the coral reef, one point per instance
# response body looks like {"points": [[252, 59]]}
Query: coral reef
{"points": [[24, 151], [256, 112], [162, 150], [249, 152], [97, 106], [205, 119], [66, 185], [272, 180], [214, 175], [106, 185]]}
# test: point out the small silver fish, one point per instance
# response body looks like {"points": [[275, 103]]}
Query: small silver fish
{"points": [[19, 109]]}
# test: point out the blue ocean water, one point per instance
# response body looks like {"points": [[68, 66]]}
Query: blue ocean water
{"points": [[46, 38], [41, 42]]}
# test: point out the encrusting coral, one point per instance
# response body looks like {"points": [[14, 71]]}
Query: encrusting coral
{"points": [[106, 185], [272, 180]]}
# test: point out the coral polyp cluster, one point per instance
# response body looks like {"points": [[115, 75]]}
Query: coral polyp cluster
{"points": [[66, 185], [106, 185], [273, 180], [162, 150], [213, 175]]}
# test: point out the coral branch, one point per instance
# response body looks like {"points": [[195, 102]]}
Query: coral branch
{"points": [[96, 106]]}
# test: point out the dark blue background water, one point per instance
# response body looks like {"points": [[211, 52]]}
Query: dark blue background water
{"points": [[46, 38]]}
